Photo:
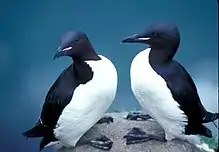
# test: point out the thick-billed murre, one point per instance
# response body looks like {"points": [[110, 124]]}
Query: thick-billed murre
{"points": [[165, 90], [79, 97]]}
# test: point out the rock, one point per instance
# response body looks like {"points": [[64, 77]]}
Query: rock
{"points": [[116, 130]]}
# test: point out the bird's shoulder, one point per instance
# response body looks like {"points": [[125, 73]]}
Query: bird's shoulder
{"points": [[183, 88], [173, 72], [68, 80], [61, 92], [62, 86]]}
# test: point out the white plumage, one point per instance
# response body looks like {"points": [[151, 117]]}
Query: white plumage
{"points": [[152, 93], [89, 103]]}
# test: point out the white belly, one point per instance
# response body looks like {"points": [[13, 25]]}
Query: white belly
{"points": [[89, 103], [155, 98]]}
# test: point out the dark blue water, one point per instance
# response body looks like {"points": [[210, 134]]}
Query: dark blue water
{"points": [[29, 36]]}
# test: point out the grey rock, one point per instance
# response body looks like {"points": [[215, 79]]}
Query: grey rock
{"points": [[116, 130]]}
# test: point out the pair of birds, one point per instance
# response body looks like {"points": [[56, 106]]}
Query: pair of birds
{"points": [[84, 91]]}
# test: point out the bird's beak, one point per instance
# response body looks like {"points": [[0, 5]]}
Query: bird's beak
{"points": [[135, 39], [58, 53]]}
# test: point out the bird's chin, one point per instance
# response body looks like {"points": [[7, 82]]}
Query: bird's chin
{"points": [[59, 54]]}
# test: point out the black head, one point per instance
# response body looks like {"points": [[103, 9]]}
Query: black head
{"points": [[77, 46], [157, 35]]}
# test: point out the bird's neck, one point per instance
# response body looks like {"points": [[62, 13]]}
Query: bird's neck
{"points": [[162, 55], [86, 53]]}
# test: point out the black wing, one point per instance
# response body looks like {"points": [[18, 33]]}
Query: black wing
{"points": [[60, 94], [58, 97], [183, 90]]}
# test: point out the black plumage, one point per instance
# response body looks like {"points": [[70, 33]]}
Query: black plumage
{"points": [[77, 46], [184, 91], [57, 98], [164, 40]]}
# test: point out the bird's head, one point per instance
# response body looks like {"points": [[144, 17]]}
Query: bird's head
{"points": [[157, 35], [75, 45]]}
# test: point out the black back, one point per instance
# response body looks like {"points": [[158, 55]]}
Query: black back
{"points": [[164, 39], [77, 46], [183, 90], [60, 94]]}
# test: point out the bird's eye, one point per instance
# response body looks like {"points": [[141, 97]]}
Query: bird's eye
{"points": [[77, 39], [156, 34]]}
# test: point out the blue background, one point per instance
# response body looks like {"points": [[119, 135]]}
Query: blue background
{"points": [[30, 31]]}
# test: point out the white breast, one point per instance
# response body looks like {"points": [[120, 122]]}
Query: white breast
{"points": [[152, 93], [89, 103]]}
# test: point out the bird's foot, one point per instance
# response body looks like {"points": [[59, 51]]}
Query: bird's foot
{"points": [[102, 142], [136, 135], [105, 119], [136, 115]]}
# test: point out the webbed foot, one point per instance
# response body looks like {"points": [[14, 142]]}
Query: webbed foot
{"points": [[105, 119], [136, 115], [101, 142], [136, 136]]}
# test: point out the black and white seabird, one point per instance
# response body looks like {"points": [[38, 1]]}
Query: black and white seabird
{"points": [[79, 98], [165, 90]]}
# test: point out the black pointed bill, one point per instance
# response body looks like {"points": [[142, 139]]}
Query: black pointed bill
{"points": [[61, 52], [135, 39]]}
